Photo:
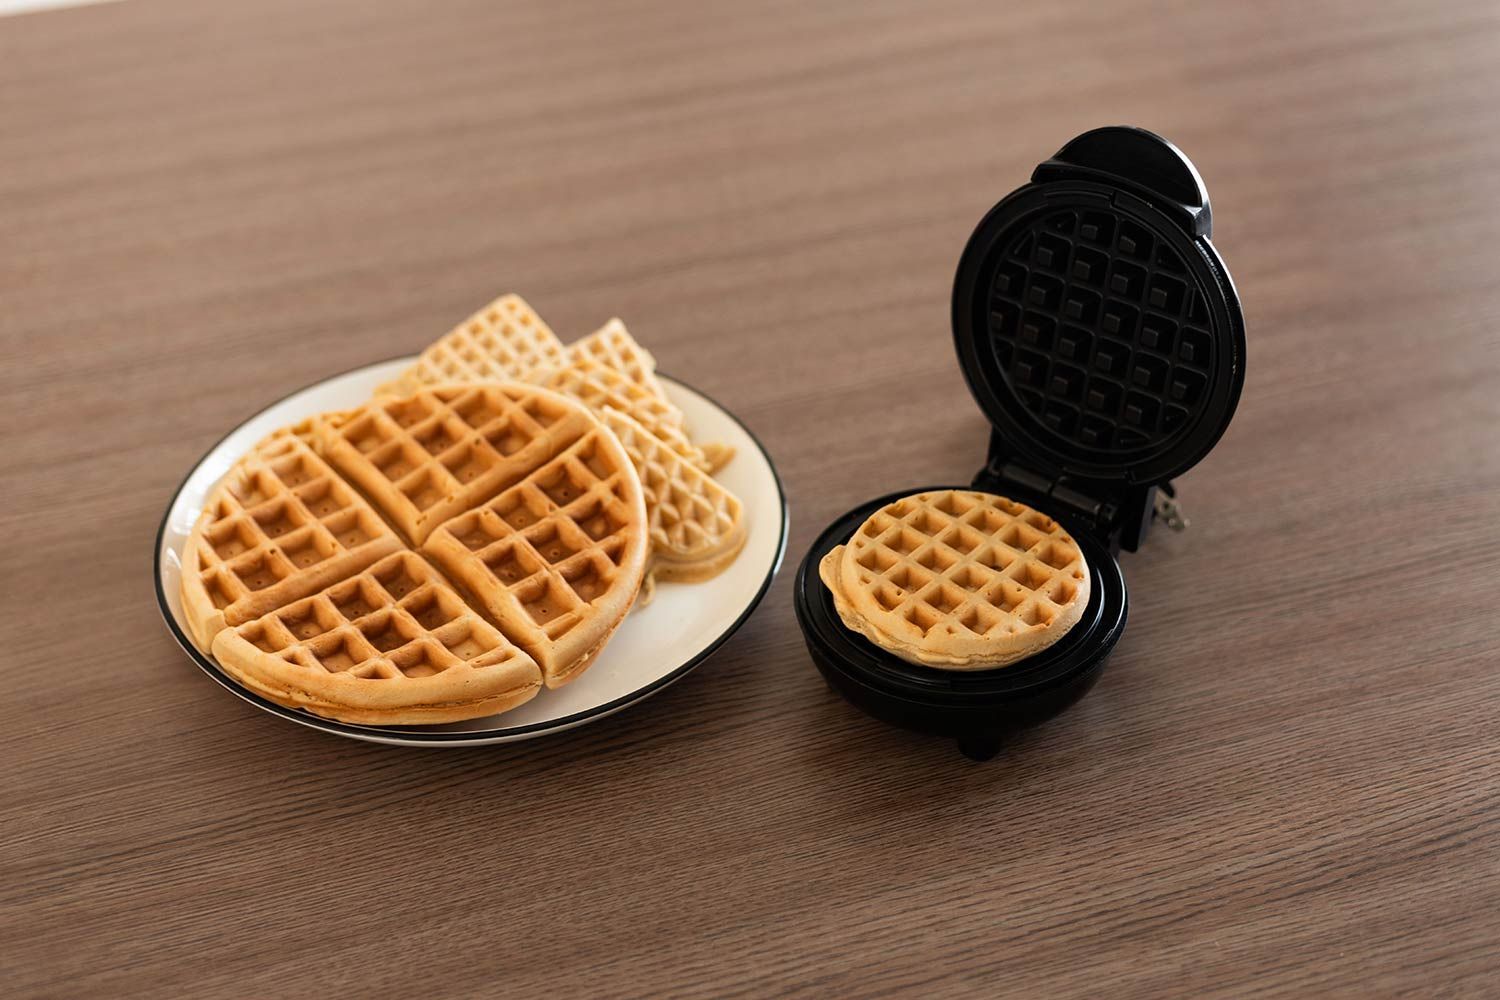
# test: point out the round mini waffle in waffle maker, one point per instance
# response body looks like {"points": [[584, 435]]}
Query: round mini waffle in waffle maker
{"points": [[1101, 335]]}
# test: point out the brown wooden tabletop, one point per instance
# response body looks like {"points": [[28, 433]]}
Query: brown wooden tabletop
{"points": [[1286, 782]]}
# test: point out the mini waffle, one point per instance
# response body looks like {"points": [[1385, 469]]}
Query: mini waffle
{"points": [[392, 645], [598, 386], [424, 458], [958, 579], [697, 526], [280, 526], [556, 560], [503, 341]]}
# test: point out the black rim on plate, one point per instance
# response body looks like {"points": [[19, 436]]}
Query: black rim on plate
{"points": [[418, 735]]}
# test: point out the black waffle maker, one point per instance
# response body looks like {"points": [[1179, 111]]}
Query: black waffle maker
{"points": [[1101, 335]]}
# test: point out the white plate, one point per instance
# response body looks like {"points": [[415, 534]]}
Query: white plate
{"points": [[654, 646]]}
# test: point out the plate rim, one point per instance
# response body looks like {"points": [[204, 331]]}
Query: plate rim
{"points": [[376, 734]]}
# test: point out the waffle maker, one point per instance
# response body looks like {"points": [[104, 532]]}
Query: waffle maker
{"points": [[1101, 335]]}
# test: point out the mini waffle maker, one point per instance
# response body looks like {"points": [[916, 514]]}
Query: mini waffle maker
{"points": [[1101, 335]]}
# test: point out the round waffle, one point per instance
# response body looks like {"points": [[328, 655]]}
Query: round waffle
{"points": [[959, 580], [528, 504]]}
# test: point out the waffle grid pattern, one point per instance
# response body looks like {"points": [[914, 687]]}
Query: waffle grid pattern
{"points": [[554, 542], [613, 347], [444, 522], [599, 388], [283, 514], [985, 564], [395, 620], [504, 340], [691, 517], [420, 457], [1100, 331]]}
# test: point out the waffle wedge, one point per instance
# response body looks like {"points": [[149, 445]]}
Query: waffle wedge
{"points": [[612, 346], [697, 526], [556, 560], [503, 341], [434, 454], [959, 580], [598, 386], [280, 526], [391, 645]]}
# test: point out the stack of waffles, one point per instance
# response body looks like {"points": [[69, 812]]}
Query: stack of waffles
{"points": [[475, 532], [959, 580], [697, 527]]}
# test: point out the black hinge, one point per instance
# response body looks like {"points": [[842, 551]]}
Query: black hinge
{"points": [[1062, 500], [1120, 520]]}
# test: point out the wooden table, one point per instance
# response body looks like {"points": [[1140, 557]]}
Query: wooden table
{"points": [[1286, 784]]}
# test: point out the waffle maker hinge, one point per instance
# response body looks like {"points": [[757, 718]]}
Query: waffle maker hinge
{"points": [[1121, 520]]}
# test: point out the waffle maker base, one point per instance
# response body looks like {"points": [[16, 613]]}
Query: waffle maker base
{"points": [[978, 708]]}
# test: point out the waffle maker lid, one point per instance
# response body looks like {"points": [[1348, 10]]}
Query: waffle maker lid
{"points": [[1095, 323]]}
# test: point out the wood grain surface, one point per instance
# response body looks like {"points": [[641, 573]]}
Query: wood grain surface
{"points": [[1286, 783]]}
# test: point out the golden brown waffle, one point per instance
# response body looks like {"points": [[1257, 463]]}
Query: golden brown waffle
{"points": [[518, 491], [598, 386], [280, 526], [958, 579], [556, 560], [392, 645], [503, 341], [424, 458], [612, 346], [697, 526]]}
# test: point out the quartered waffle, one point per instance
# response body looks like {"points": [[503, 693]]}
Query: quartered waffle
{"points": [[697, 526], [598, 386], [424, 458], [319, 572], [958, 579], [557, 559], [503, 341], [392, 645], [280, 526]]}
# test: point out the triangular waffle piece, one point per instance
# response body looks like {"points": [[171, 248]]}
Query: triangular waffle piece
{"points": [[556, 560], [612, 346], [280, 526], [393, 645], [697, 526], [959, 579], [503, 341], [599, 387], [424, 458]]}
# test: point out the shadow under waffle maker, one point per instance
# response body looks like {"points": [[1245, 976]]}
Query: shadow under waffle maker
{"points": [[1101, 335]]}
